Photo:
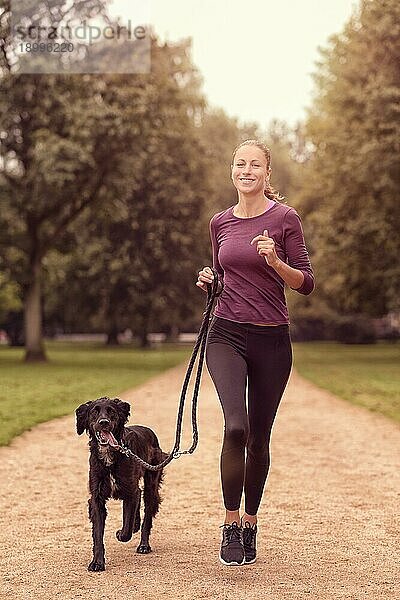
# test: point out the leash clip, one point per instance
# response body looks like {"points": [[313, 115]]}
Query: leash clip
{"points": [[179, 453]]}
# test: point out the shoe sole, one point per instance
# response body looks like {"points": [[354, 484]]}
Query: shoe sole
{"points": [[232, 564]]}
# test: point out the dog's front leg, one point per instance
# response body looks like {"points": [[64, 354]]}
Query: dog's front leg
{"points": [[130, 512], [97, 515], [100, 491]]}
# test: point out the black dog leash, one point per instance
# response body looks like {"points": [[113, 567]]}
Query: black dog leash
{"points": [[212, 289]]}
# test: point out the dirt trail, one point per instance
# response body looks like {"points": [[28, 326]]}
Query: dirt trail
{"points": [[328, 526]]}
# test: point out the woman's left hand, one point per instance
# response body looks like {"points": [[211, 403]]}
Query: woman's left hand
{"points": [[266, 248]]}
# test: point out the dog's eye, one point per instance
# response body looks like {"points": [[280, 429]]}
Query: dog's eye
{"points": [[110, 411]]}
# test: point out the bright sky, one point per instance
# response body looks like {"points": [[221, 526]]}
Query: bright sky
{"points": [[256, 57]]}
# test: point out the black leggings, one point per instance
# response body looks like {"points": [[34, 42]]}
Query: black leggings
{"points": [[260, 356]]}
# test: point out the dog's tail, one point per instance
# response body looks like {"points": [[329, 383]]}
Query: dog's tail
{"points": [[162, 456], [153, 481]]}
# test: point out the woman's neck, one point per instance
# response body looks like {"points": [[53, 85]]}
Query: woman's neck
{"points": [[250, 207]]}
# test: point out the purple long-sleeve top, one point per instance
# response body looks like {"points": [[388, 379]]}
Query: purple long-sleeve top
{"points": [[253, 291]]}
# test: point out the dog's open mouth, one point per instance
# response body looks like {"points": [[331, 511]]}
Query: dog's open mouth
{"points": [[106, 437]]}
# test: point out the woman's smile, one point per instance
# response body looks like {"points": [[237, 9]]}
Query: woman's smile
{"points": [[249, 170]]}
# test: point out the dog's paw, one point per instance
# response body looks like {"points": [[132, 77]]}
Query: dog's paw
{"points": [[143, 549], [96, 566], [121, 537]]}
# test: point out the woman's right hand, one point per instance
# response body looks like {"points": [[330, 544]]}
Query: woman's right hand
{"points": [[205, 276]]}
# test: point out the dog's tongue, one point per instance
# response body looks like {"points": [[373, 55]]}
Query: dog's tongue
{"points": [[107, 435]]}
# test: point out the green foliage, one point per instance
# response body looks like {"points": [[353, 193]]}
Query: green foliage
{"points": [[219, 134], [120, 273], [285, 159], [36, 13], [77, 373], [350, 186], [9, 296], [107, 168]]}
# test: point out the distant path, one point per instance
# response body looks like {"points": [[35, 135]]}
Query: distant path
{"points": [[329, 522]]}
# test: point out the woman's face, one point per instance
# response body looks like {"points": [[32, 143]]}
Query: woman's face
{"points": [[249, 170]]}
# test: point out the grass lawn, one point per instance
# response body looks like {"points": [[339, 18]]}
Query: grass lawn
{"points": [[32, 394], [368, 375]]}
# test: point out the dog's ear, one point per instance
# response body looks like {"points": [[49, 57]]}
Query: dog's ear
{"points": [[124, 409], [82, 417]]}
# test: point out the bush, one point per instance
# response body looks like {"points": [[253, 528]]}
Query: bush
{"points": [[14, 327], [356, 329], [307, 329]]}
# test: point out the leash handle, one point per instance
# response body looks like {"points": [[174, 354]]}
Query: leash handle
{"points": [[212, 288]]}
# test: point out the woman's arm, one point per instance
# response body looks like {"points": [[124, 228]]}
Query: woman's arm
{"points": [[293, 277], [214, 247], [297, 271], [296, 251]]}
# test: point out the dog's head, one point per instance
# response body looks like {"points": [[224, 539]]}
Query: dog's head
{"points": [[103, 419]]}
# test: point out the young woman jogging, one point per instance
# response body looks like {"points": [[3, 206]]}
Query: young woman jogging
{"points": [[258, 247]]}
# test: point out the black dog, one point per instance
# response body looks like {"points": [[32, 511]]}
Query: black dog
{"points": [[112, 474]]}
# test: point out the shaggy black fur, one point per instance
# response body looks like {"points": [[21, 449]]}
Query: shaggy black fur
{"points": [[113, 475]]}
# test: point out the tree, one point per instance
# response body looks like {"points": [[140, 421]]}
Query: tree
{"points": [[60, 153], [64, 145], [139, 254], [351, 183]]}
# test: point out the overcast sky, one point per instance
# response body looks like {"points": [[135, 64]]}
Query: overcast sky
{"points": [[257, 56]]}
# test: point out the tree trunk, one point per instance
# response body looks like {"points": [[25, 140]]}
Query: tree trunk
{"points": [[144, 328], [111, 319], [144, 342], [112, 336], [34, 349], [173, 333]]}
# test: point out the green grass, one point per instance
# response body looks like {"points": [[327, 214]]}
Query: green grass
{"points": [[367, 375], [31, 394], [34, 393]]}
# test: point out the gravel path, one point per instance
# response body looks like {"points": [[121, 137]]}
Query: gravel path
{"points": [[328, 525]]}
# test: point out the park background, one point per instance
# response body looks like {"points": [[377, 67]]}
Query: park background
{"points": [[108, 182]]}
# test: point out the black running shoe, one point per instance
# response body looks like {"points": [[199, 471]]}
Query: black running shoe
{"points": [[249, 542], [232, 550]]}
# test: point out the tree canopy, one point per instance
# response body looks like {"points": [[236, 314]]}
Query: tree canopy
{"points": [[350, 186]]}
